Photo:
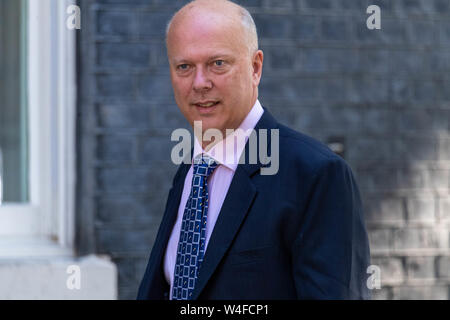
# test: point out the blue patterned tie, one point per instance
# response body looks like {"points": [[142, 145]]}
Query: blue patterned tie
{"points": [[191, 246]]}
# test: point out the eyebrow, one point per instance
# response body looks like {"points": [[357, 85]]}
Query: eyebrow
{"points": [[219, 56], [225, 56]]}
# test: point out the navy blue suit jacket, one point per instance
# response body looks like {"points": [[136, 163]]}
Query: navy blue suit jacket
{"points": [[298, 234]]}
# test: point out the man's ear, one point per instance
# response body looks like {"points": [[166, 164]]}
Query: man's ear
{"points": [[257, 64]]}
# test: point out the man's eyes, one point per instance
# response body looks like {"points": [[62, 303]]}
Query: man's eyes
{"points": [[186, 67], [183, 67], [219, 63]]}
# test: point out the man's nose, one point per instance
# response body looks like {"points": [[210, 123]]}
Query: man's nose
{"points": [[201, 80]]}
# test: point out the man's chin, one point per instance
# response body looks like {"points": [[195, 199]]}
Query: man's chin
{"points": [[208, 127]]}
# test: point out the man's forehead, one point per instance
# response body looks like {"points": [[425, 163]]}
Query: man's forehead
{"points": [[204, 22], [205, 36]]}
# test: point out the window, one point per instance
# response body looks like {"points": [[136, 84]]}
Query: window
{"points": [[13, 112], [37, 128]]}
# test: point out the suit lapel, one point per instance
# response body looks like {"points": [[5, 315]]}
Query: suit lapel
{"points": [[237, 203]]}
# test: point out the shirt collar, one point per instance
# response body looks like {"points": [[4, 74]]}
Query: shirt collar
{"points": [[228, 151]]}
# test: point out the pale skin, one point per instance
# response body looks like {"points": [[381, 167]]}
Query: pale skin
{"points": [[214, 74]]}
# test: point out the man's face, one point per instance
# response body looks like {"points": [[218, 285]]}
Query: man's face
{"points": [[214, 76]]}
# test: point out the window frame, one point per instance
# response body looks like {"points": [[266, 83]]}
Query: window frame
{"points": [[46, 224]]}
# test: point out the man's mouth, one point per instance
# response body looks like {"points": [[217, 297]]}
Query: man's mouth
{"points": [[206, 106]]}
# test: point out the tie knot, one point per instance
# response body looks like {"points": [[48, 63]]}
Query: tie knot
{"points": [[204, 165]]}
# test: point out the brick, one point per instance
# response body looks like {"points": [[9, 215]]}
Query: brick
{"points": [[419, 148], [158, 57], [335, 29], [384, 293], [391, 269], [411, 6], [386, 6], [412, 178], [306, 28], [423, 32], [167, 116], [420, 209], [424, 90], [442, 6], [123, 55], [370, 151], [290, 89], [425, 120], [168, 3], [439, 179], [435, 292], [136, 180], [132, 2], [379, 179], [420, 267], [141, 264], [154, 149], [316, 4], [415, 238], [153, 24], [314, 60], [280, 4], [443, 267], [127, 271], [275, 26], [393, 31], [383, 209], [444, 209], [131, 210], [116, 86], [443, 91], [250, 3], [380, 239], [284, 59], [444, 33], [334, 89], [112, 23], [124, 180], [364, 34], [123, 116], [127, 293], [400, 90], [379, 120], [289, 116], [116, 148], [359, 6], [408, 62], [369, 90], [120, 240], [374, 61], [348, 118], [343, 60], [155, 88]]}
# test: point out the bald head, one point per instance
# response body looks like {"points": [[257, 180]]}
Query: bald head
{"points": [[227, 9]]}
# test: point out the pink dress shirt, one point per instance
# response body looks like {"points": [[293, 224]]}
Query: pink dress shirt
{"points": [[218, 184]]}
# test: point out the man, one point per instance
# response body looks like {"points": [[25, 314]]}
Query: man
{"points": [[229, 231]]}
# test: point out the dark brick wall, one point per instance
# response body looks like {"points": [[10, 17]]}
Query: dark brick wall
{"points": [[384, 93]]}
